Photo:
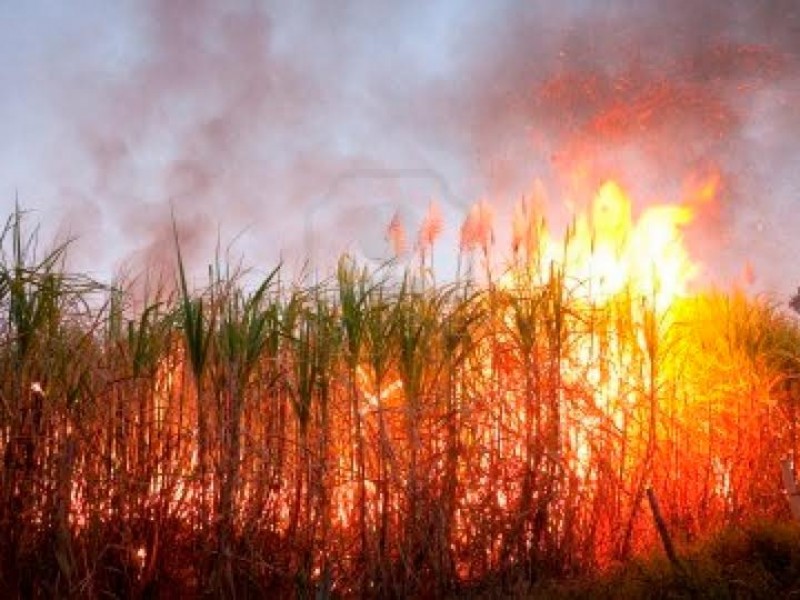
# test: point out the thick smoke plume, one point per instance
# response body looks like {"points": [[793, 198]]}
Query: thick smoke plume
{"points": [[287, 122], [655, 95]]}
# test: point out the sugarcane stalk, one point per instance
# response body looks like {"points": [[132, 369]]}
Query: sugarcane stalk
{"points": [[663, 533], [790, 485]]}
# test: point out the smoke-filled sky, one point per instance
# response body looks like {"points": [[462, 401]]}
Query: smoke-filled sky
{"points": [[297, 129]]}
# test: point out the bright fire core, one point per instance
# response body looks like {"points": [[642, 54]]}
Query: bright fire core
{"points": [[607, 251]]}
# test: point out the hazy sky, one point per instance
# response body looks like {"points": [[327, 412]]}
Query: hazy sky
{"points": [[298, 128]]}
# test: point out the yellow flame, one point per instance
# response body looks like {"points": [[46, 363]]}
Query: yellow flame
{"points": [[607, 251], [607, 254]]}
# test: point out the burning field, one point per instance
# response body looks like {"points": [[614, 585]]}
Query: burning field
{"points": [[379, 434]]}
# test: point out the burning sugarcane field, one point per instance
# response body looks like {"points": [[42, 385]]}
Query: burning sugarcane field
{"points": [[372, 301]]}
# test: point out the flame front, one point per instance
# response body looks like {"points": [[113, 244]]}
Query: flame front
{"points": [[608, 251], [385, 429]]}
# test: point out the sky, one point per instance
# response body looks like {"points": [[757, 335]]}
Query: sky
{"points": [[295, 130]]}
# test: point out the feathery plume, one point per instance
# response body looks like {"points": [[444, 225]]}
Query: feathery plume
{"points": [[478, 227], [396, 235], [521, 225], [526, 227], [431, 227]]}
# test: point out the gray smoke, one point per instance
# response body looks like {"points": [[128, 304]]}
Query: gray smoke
{"points": [[285, 122]]}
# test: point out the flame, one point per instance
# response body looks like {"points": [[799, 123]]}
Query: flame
{"points": [[609, 257], [571, 418], [607, 251]]}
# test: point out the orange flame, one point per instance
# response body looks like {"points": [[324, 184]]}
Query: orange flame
{"points": [[607, 252]]}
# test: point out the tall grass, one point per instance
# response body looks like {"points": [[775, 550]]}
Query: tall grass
{"points": [[369, 436]]}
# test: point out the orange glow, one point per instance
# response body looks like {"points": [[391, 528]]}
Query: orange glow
{"points": [[608, 251], [623, 271], [475, 431]]}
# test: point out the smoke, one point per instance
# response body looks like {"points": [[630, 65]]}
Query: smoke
{"points": [[246, 118], [192, 127], [242, 121], [652, 94]]}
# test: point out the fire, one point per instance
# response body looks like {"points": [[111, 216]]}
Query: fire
{"points": [[608, 251], [624, 271], [502, 426]]}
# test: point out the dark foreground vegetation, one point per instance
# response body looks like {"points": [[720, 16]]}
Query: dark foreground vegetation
{"points": [[757, 560], [376, 435]]}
